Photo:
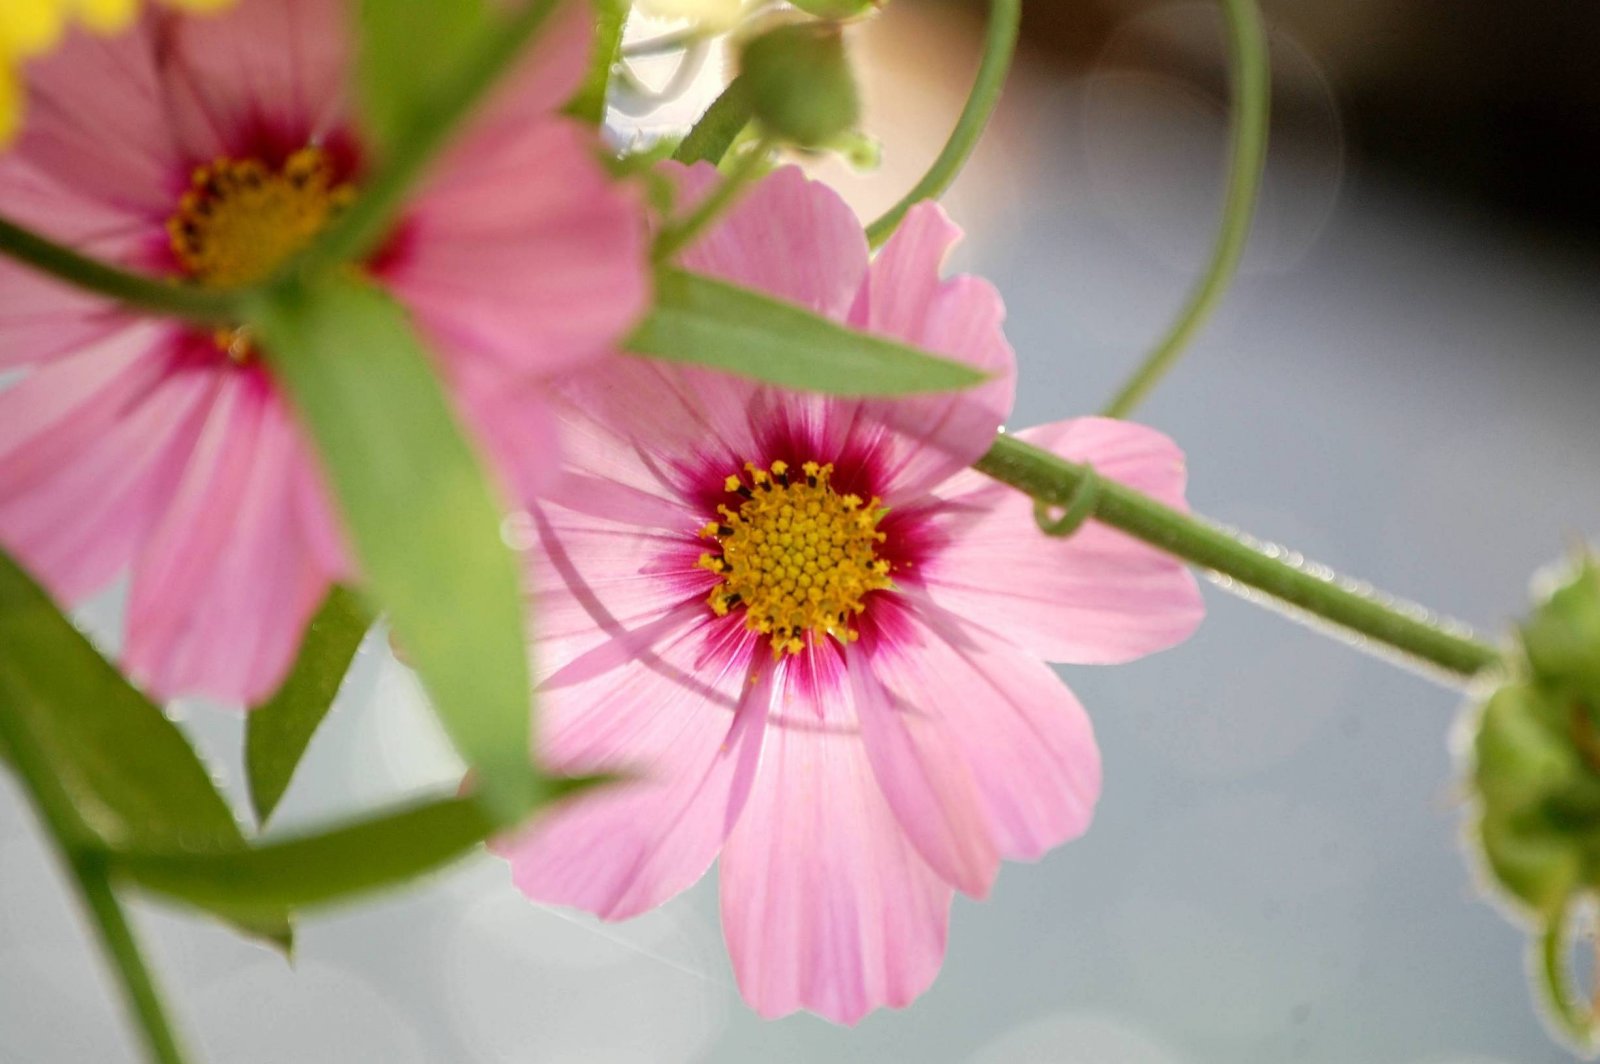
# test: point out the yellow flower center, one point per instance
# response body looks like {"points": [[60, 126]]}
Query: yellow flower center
{"points": [[796, 556], [241, 219]]}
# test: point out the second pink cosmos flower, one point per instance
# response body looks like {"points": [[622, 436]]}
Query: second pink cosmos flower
{"points": [[815, 636], [211, 150]]}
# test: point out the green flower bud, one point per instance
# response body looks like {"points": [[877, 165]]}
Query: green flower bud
{"points": [[799, 83], [1536, 780], [1534, 865], [838, 9], [1530, 782], [1562, 637]]}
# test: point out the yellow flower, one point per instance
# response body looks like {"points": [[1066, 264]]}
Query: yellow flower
{"points": [[32, 27]]}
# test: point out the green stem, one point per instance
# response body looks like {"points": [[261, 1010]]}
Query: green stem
{"points": [[363, 226], [679, 234], [1251, 79], [1000, 43], [135, 290], [589, 105], [1550, 966], [1056, 482], [718, 128], [79, 851]]}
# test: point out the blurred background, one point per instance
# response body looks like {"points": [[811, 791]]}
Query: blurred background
{"points": [[1403, 385]]}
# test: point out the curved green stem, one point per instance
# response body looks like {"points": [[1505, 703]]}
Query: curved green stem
{"points": [[1251, 78], [1550, 966], [80, 853], [146, 293], [999, 44], [679, 234], [718, 128], [1056, 482], [362, 227]]}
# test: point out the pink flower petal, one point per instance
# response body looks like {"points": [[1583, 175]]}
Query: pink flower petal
{"points": [[42, 318], [517, 275], [826, 904], [268, 71], [653, 429], [547, 77], [904, 297], [788, 236], [680, 716], [919, 763], [227, 582], [97, 121], [517, 430], [90, 448], [595, 579], [1027, 744], [1095, 597]]}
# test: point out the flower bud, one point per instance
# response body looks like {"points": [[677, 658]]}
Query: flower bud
{"points": [[1562, 637], [800, 85], [838, 9], [1536, 780], [1530, 779]]}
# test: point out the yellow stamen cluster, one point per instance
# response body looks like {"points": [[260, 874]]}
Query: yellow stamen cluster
{"points": [[798, 557], [240, 219]]}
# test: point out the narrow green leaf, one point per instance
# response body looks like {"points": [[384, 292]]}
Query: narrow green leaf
{"points": [[718, 128], [589, 105], [333, 865], [408, 52], [716, 324], [131, 775], [279, 730], [420, 512]]}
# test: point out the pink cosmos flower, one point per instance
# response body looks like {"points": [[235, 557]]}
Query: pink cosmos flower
{"points": [[815, 636], [211, 149]]}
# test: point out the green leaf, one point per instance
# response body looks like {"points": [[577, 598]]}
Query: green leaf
{"points": [[332, 865], [131, 775], [278, 731], [409, 50], [420, 512], [712, 323], [589, 105]]}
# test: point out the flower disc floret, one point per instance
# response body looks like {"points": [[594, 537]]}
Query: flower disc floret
{"points": [[798, 557], [241, 218]]}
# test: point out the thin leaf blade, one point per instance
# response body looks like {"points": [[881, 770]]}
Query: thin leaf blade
{"points": [[330, 866], [129, 771], [589, 105], [278, 731], [712, 323], [420, 512]]}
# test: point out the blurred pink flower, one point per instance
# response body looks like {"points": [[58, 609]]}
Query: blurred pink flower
{"points": [[213, 149], [815, 635]]}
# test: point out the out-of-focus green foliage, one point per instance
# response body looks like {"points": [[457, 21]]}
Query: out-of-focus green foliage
{"points": [[130, 774], [279, 730], [421, 515]]}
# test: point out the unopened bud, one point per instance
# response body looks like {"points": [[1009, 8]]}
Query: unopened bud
{"points": [[799, 83], [1562, 636], [1535, 778], [838, 9], [1538, 800]]}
